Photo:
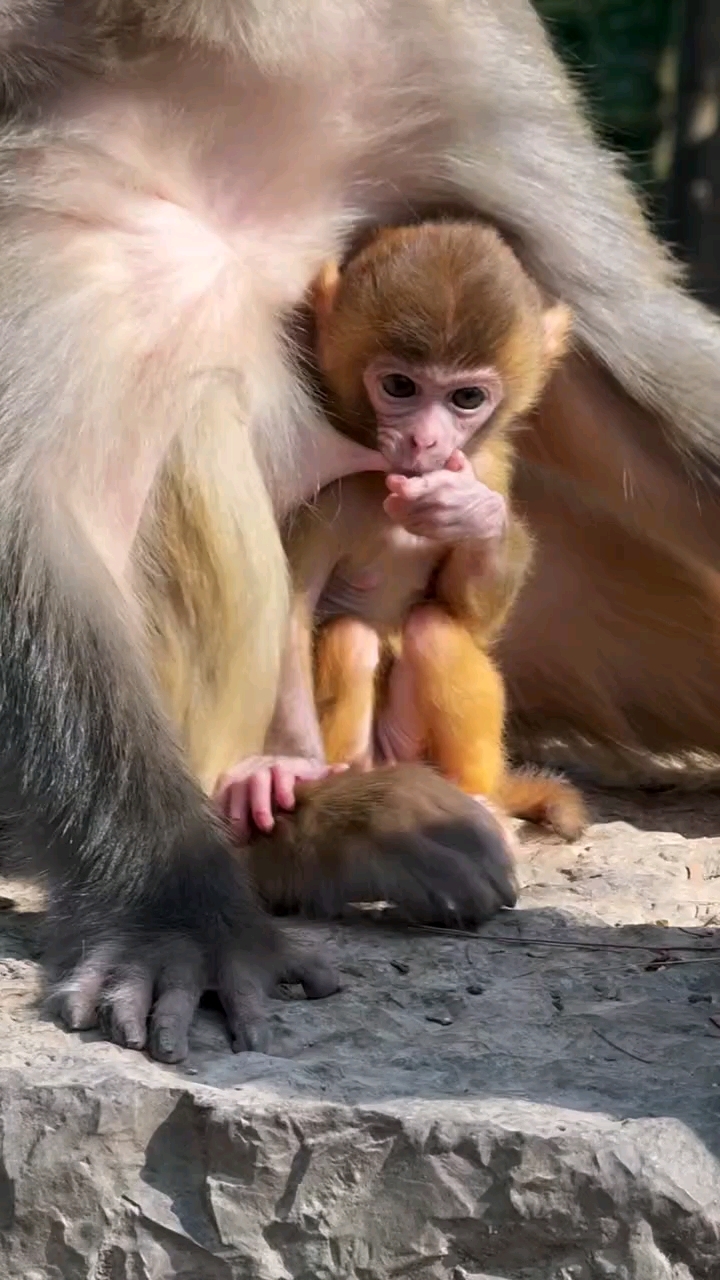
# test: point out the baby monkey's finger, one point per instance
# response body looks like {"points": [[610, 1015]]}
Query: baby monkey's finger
{"points": [[236, 808], [410, 487], [457, 462], [283, 785], [397, 508], [261, 788]]}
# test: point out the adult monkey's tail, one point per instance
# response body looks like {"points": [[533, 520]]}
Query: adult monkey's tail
{"points": [[401, 836]]}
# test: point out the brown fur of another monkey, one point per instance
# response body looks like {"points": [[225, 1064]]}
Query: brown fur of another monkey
{"points": [[172, 176], [317, 859], [452, 297]]}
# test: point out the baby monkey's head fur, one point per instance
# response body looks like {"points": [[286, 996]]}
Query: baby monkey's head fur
{"points": [[430, 335]]}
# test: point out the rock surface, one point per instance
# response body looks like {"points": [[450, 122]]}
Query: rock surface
{"points": [[541, 1102]]}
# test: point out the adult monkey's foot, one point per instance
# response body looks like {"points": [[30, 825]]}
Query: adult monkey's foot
{"points": [[139, 973]]}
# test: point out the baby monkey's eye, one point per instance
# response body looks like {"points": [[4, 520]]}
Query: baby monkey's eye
{"points": [[468, 397], [399, 386]]}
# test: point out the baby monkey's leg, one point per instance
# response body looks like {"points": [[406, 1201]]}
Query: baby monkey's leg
{"points": [[448, 695], [347, 654], [401, 730]]}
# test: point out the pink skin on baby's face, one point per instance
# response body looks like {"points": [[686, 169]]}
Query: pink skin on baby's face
{"points": [[424, 415]]}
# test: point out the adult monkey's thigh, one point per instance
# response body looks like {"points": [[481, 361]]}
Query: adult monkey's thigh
{"points": [[147, 905]]}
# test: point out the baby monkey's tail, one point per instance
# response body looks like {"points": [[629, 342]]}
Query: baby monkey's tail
{"points": [[544, 798]]}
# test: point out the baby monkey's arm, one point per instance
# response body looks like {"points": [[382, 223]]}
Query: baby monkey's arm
{"points": [[466, 506], [449, 505], [479, 581]]}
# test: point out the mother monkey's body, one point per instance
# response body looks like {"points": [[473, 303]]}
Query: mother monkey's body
{"points": [[173, 177]]}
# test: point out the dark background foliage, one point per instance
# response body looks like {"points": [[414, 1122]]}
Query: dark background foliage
{"points": [[650, 73]]}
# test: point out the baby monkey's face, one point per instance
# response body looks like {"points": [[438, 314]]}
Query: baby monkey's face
{"points": [[424, 414]]}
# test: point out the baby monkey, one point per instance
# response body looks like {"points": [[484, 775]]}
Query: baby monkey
{"points": [[432, 343]]}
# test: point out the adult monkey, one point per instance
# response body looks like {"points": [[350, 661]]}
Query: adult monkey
{"points": [[172, 177]]}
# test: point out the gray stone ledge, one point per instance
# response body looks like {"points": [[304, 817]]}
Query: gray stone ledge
{"points": [[498, 1109]]}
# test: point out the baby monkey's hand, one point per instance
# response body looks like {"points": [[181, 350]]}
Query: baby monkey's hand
{"points": [[451, 505], [249, 793]]}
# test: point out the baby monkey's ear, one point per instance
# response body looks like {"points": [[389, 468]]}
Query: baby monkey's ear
{"points": [[323, 290], [557, 327]]}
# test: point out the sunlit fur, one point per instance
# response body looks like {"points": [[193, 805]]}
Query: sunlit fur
{"points": [[172, 176]]}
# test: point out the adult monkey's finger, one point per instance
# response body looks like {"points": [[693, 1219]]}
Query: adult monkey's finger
{"points": [[179, 988], [242, 1000], [127, 1005], [77, 998]]}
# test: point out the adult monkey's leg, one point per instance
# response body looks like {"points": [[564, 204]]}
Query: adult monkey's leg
{"points": [[148, 906], [629, 427], [214, 585], [613, 648]]}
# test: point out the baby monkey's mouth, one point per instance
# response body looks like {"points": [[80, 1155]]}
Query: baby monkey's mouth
{"points": [[423, 467]]}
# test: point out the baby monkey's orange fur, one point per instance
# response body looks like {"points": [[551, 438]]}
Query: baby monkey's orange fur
{"points": [[404, 625]]}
